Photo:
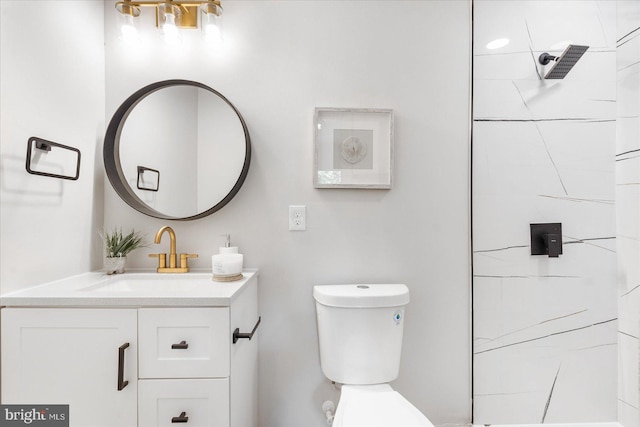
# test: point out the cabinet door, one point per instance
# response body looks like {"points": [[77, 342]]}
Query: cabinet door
{"points": [[244, 359], [196, 402], [72, 356]]}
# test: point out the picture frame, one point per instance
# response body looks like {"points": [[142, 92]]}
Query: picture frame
{"points": [[353, 148]]}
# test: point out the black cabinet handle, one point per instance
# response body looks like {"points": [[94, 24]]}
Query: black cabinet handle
{"points": [[121, 382], [180, 419], [182, 345], [237, 334]]}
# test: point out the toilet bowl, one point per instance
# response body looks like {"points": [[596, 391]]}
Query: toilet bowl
{"points": [[376, 406], [360, 331]]}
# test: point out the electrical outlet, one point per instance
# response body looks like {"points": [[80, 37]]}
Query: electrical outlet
{"points": [[297, 218]]}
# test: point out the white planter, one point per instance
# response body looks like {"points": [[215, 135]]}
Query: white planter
{"points": [[115, 265]]}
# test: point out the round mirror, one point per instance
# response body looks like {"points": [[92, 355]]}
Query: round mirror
{"points": [[177, 149]]}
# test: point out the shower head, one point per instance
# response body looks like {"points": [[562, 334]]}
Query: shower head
{"points": [[563, 63]]}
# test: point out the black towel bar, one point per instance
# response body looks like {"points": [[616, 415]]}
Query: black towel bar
{"points": [[44, 145], [237, 334]]}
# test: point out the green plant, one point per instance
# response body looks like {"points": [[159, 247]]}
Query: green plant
{"points": [[119, 245]]}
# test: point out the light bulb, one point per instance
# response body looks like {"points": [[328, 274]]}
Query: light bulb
{"points": [[128, 30], [128, 22], [212, 34], [169, 28], [212, 23], [168, 21]]}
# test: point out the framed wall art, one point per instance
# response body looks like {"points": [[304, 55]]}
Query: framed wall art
{"points": [[353, 148]]}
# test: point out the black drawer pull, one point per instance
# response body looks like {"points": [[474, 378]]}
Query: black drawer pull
{"points": [[180, 419], [237, 334], [182, 345], [121, 382]]}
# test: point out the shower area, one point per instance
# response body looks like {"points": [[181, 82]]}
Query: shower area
{"points": [[556, 339]]}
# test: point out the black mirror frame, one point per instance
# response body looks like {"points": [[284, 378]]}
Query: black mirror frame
{"points": [[111, 152]]}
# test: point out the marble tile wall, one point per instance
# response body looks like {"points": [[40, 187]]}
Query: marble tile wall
{"points": [[628, 209], [545, 329]]}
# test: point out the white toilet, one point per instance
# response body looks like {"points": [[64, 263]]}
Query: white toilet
{"points": [[360, 336]]}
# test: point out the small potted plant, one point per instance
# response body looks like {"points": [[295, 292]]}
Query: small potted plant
{"points": [[117, 246]]}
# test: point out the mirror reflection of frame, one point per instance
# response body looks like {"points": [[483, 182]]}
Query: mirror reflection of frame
{"points": [[189, 131], [148, 179]]}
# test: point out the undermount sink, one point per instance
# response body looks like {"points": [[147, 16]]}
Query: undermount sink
{"points": [[154, 283]]}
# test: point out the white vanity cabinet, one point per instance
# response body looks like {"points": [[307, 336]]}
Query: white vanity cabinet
{"points": [[71, 356], [143, 366], [190, 369]]}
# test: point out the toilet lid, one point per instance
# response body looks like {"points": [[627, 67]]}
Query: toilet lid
{"points": [[376, 406]]}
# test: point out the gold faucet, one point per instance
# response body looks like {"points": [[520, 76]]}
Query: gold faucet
{"points": [[173, 256]]}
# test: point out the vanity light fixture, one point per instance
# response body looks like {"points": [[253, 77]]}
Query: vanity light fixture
{"points": [[172, 15], [127, 21], [212, 21], [167, 19]]}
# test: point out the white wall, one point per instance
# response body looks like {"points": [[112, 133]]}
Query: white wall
{"points": [[543, 151], [628, 211], [52, 85], [284, 58]]}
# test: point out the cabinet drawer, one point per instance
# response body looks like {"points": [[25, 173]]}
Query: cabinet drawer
{"points": [[205, 402], [183, 342]]}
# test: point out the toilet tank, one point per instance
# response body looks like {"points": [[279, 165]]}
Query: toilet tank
{"points": [[360, 331]]}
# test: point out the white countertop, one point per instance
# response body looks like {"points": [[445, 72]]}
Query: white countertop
{"points": [[131, 289]]}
